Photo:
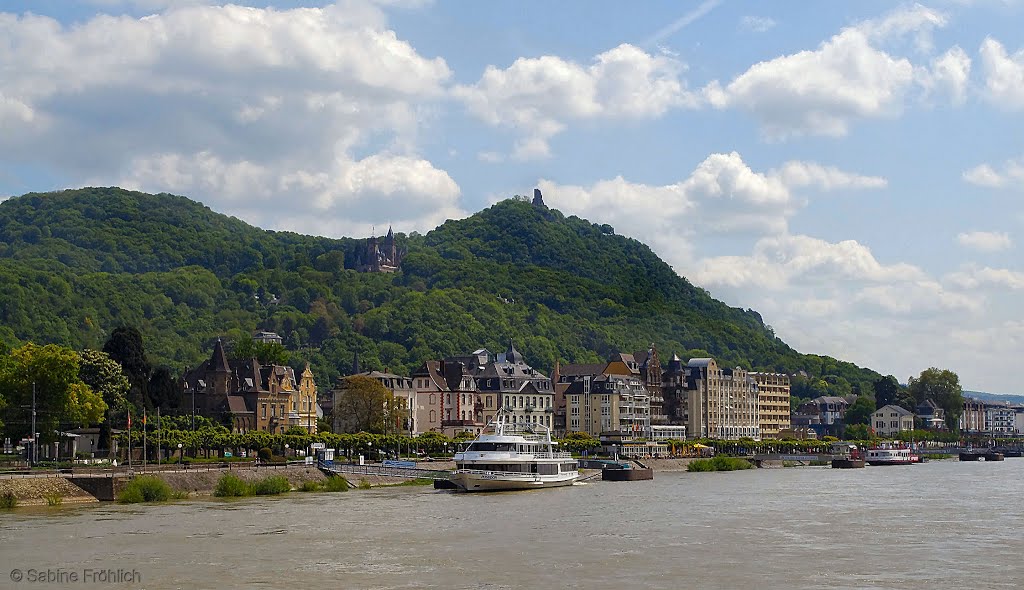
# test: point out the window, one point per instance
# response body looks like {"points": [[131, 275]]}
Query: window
{"points": [[433, 416], [273, 411], [488, 401], [264, 410], [432, 400]]}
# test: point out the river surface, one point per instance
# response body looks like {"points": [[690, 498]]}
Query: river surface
{"points": [[939, 525]]}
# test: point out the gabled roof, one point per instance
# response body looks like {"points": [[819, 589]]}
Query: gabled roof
{"points": [[581, 369], [894, 408]]}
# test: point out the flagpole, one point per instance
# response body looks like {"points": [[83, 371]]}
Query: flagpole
{"points": [[129, 439], [143, 439], [158, 435]]}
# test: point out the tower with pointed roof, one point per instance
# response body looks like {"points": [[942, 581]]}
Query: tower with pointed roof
{"points": [[382, 254]]}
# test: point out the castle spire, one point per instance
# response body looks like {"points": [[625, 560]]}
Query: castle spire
{"points": [[219, 360]]}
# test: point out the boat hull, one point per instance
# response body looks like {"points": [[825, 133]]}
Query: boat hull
{"points": [[496, 482], [891, 462], [847, 463]]}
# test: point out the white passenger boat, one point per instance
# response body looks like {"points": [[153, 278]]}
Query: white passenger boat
{"points": [[513, 456], [892, 455]]}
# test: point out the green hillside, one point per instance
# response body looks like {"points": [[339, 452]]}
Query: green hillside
{"points": [[76, 264]]}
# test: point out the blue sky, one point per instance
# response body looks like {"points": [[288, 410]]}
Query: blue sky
{"points": [[852, 170]]}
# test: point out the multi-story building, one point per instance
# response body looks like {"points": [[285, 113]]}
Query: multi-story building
{"points": [[398, 419], [973, 417], [720, 403], [466, 391], [1000, 419], [891, 420], [649, 366], [931, 415], [607, 400], [825, 415], [773, 403], [381, 255], [250, 396]]}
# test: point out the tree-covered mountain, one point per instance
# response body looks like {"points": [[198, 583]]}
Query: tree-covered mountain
{"points": [[76, 264]]}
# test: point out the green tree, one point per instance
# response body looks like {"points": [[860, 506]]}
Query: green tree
{"points": [[267, 353], [887, 391], [125, 347], [577, 442], [62, 398], [105, 376], [363, 404], [943, 387], [858, 432], [163, 389], [860, 411]]}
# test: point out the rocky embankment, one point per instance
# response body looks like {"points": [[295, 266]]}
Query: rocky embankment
{"points": [[40, 491]]}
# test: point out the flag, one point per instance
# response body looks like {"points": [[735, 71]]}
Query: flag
{"points": [[143, 417], [129, 419]]}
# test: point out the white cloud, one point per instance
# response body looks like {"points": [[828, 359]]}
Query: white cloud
{"points": [[985, 241], [846, 78], [722, 197], [1004, 75], [949, 75], [973, 278], [248, 109], [757, 24], [1011, 174], [538, 96], [778, 261]]}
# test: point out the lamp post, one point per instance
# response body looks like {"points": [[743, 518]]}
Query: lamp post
{"points": [[286, 451], [180, 459], [369, 447]]}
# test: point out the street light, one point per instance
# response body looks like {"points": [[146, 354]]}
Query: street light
{"points": [[180, 461], [286, 450]]}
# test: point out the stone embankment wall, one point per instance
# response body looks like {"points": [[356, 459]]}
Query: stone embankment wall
{"points": [[33, 491], [200, 483]]}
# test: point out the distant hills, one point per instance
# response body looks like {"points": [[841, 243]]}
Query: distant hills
{"points": [[76, 264], [1013, 398]]}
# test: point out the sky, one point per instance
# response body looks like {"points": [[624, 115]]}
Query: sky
{"points": [[852, 170]]}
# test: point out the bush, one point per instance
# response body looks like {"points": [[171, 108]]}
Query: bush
{"points": [[310, 486], [231, 486], [272, 486], [364, 484], [720, 463], [265, 454], [145, 488], [335, 484], [8, 501], [54, 499]]}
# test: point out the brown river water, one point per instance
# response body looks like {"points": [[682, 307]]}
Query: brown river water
{"points": [[939, 525]]}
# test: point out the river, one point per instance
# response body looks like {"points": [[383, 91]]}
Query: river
{"points": [[939, 525]]}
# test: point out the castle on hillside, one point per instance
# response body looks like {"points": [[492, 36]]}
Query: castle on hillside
{"points": [[381, 254]]}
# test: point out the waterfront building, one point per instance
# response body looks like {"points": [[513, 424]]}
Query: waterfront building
{"points": [[773, 403], [430, 386], [397, 417], [1000, 419], [824, 414], [891, 420], [720, 403], [973, 417], [466, 391], [607, 400], [931, 415], [649, 365], [250, 396]]}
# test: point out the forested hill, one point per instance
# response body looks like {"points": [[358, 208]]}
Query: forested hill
{"points": [[76, 264]]}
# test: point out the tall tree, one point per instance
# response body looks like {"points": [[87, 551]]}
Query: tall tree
{"points": [[860, 411], [106, 377], [943, 387], [364, 405], [62, 399], [125, 347], [887, 391], [163, 389]]}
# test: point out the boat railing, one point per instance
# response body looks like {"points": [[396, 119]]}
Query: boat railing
{"points": [[553, 455]]}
